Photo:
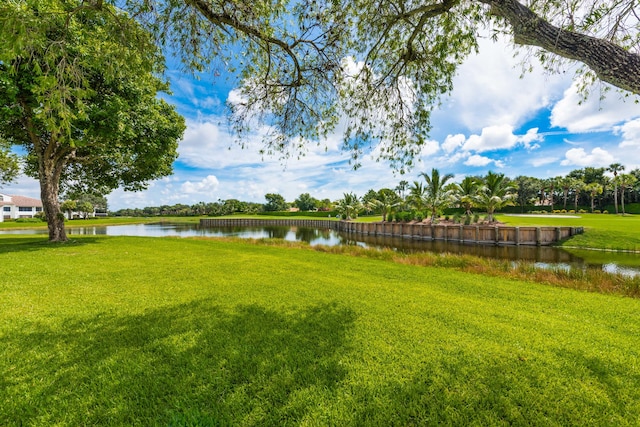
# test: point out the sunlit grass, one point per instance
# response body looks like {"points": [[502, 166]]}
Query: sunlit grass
{"points": [[602, 231], [160, 331]]}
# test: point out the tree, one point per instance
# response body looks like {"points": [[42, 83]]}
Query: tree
{"points": [[85, 208], [275, 203], [384, 65], [527, 188], [436, 198], [624, 181], [577, 186], [593, 189], [495, 194], [466, 193], [305, 202], [615, 168], [387, 200], [402, 188], [9, 167], [417, 195], [349, 206], [69, 206], [78, 93]]}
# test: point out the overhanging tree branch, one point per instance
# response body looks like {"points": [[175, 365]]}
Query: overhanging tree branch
{"points": [[610, 62]]}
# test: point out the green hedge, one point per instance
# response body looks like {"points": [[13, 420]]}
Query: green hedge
{"points": [[319, 214]]}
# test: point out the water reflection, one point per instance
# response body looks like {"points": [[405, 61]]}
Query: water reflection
{"points": [[542, 256]]}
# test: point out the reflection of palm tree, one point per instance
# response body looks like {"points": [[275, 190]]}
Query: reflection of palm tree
{"points": [[495, 194], [624, 181], [615, 168], [436, 197]]}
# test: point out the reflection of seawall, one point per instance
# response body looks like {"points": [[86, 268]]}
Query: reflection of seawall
{"points": [[476, 234]]}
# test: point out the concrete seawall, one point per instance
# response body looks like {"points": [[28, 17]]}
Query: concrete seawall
{"points": [[476, 234]]}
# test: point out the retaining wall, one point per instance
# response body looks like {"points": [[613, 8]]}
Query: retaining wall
{"points": [[478, 234]]}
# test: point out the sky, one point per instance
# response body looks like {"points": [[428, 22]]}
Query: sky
{"points": [[495, 119]]}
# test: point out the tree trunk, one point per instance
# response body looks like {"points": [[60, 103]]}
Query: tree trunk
{"points": [[610, 62], [49, 189], [615, 197], [622, 200]]}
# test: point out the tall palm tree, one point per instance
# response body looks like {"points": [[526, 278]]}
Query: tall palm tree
{"points": [[565, 183], [577, 186], [417, 196], [436, 197], [465, 193], [615, 168], [495, 193], [593, 189], [624, 181]]}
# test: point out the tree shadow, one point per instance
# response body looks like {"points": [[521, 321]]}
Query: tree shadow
{"points": [[34, 243], [192, 364]]}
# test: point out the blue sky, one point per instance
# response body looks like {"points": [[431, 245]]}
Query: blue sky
{"points": [[494, 120]]}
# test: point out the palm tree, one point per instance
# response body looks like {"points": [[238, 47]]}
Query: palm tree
{"points": [[386, 201], [417, 196], [401, 188], [593, 189], [465, 193], [625, 181], [577, 186], [565, 183], [436, 197], [495, 193], [615, 168], [349, 206]]}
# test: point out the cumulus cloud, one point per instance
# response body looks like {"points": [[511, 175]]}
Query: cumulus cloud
{"points": [[489, 89], [453, 142], [593, 114], [492, 138], [579, 157], [630, 132], [478, 160], [207, 185], [541, 161]]}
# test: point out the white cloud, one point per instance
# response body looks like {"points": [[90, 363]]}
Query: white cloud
{"points": [[578, 157], [630, 132], [489, 89], [477, 160], [492, 138], [541, 161], [532, 135], [453, 142], [207, 185], [593, 114]]}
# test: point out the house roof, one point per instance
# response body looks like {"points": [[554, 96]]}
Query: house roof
{"points": [[22, 201]]}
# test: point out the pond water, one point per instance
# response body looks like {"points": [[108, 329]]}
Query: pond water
{"points": [[542, 256]]}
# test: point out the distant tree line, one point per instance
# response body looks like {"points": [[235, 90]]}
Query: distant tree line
{"points": [[589, 189]]}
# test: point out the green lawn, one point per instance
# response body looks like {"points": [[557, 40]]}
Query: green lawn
{"points": [[162, 331], [602, 231]]}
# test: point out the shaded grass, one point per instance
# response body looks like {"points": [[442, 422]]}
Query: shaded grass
{"points": [[143, 331]]}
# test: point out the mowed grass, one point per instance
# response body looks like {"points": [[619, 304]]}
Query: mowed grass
{"points": [[602, 231], [185, 332]]}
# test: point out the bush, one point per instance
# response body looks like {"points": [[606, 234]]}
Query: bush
{"points": [[446, 217], [476, 218], [457, 218], [28, 220], [597, 211], [419, 216], [605, 211], [582, 211], [467, 220]]}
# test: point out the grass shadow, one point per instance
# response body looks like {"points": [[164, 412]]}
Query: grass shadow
{"points": [[192, 364]]}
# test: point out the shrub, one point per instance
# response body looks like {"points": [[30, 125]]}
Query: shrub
{"points": [[419, 216], [582, 211], [467, 220], [28, 220], [605, 211], [563, 211], [446, 217], [571, 211], [457, 218], [596, 211], [476, 218]]}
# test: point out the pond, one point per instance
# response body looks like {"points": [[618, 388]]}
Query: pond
{"points": [[542, 256]]}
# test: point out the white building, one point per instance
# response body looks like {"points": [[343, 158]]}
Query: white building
{"points": [[14, 207]]}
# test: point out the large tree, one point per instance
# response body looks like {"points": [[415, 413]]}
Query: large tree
{"points": [[78, 92], [382, 65]]}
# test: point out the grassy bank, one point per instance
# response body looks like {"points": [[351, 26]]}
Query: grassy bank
{"points": [[612, 232], [143, 331]]}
